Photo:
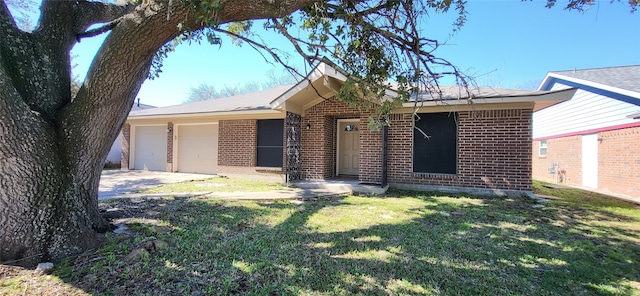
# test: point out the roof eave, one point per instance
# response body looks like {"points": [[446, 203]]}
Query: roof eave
{"points": [[541, 100], [322, 70], [546, 83], [205, 114], [551, 77]]}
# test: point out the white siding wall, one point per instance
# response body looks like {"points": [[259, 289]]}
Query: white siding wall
{"points": [[585, 111], [115, 154]]}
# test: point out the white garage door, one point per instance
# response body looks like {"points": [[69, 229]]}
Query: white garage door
{"points": [[198, 148], [151, 148]]}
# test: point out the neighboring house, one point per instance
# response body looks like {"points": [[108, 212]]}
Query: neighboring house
{"points": [[303, 132], [592, 140], [115, 154]]}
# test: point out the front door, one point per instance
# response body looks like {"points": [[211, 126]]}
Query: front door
{"points": [[348, 147]]}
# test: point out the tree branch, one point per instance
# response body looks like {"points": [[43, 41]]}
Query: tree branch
{"points": [[90, 13], [97, 31], [55, 19], [6, 20], [295, 42], [259, 46]]}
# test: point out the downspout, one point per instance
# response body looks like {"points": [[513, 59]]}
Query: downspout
{"points": [[385, 135]]}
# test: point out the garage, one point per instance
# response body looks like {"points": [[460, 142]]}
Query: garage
{"points": [[198, 148], [150, 148]]}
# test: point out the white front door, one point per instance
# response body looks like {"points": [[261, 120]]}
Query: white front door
{"points": [[590, 160], [348, 147]]}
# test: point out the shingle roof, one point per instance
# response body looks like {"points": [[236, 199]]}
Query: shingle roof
{"points": [[261, 100], [458, 92], [624, 77], [244, 102]]}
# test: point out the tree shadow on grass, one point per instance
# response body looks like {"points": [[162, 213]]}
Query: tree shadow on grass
{"points": [[375, 246]]}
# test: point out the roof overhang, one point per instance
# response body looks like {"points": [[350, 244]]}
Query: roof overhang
{"points": [[539, 100], [624, 95], [551, 78], [263, 112], [322, 82]]}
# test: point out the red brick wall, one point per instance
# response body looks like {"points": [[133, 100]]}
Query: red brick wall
{"points": [[126, 140], [370, 153], [237, 143], [494, 148], [494, 151], [567, 153], [318, 151], [619, 161]]}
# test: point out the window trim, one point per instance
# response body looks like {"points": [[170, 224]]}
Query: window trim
{"points": [[540, 148]]}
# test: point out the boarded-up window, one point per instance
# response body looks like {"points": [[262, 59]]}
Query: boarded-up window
{"points": [[437, 152], [270, 139]]}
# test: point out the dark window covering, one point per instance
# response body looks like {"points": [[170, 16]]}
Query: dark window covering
{"points": [[437, 154], [269, 142]]}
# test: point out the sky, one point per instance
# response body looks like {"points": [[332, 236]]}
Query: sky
{"points": [[505, 43]]}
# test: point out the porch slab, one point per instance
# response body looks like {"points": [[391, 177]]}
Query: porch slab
{"points": [[343, 186]]}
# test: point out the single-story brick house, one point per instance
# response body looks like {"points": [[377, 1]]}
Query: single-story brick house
{"points": [[303, 132], [593, 139]]}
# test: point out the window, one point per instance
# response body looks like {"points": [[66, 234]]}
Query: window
{"points": [[543, 148], [269, 143], [438, 152]]}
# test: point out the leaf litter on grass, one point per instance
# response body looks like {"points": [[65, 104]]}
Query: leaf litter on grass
{"points": [[397, 244]]}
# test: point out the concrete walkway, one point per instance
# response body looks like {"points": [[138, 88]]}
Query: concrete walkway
{"points": [[284, 194], [119, 184], [116, 183]]}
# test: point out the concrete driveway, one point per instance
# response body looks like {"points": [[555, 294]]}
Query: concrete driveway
{"points": [[115, 183]]}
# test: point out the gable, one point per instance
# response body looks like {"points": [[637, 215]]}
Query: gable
{"points": [[617, 79], [554, 83], [590, 110], [322, 83]]}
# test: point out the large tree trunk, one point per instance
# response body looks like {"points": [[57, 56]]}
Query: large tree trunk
{"points": [[48, 195], [53, 146], [47, 209]]}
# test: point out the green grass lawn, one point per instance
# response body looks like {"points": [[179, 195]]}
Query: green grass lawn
{"points": [[406, 243], [217, 184]]}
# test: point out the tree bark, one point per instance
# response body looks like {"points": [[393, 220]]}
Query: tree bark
{"points": [[45, 212], [53, 146]]}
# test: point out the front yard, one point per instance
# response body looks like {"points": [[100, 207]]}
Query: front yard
{"points": [[404, 243]]}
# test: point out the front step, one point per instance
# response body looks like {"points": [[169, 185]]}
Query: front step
{"points": [[340, 186]]}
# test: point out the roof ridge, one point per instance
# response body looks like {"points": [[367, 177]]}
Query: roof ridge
{"points": [[597, 68]]}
